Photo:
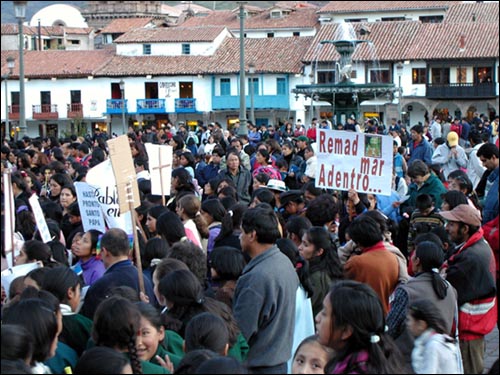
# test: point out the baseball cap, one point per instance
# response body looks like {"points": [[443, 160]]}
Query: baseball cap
{"points": [[302, 138], [452, 139], [290, 196], [463, 213]]}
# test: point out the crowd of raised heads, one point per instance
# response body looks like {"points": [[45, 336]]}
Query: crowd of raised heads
{"points": [[246, 266]]}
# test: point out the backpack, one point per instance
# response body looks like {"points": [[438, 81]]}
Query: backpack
{"points": [[457, 129]]}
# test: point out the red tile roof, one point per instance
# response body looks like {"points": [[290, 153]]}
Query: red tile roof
{"points": [[442, 41], [273, 55], [11, 29], [300, 18], [411, 40], [58, 63], [484, 12], [122, 25], [377, 6], [171, 34]]}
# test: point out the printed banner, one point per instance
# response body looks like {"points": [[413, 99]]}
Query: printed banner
{"points": [[359, 161], [90, 208], [160, 168], [102, 179]]}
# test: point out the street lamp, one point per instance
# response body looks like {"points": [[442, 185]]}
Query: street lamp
{"points": [[243, 130], [122, 89], [20, 11], [399, 68], [5, 78], [251, 71]]}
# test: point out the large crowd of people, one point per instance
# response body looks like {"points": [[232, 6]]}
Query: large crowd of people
{"points": [[247, 266]]}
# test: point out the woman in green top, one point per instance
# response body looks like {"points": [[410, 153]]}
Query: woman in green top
{"points": [[116, 324], [152, 339]]}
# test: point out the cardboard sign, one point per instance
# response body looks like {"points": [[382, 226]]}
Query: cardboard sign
{"points": [[350, 160], [124, 171], [160, 168], [90, 208], [102, 179], [41, 223]]}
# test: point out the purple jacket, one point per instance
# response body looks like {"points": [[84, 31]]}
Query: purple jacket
{"points": [[93, 269]]}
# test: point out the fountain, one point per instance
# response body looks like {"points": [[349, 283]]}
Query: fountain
{"points": [[344, 95]]}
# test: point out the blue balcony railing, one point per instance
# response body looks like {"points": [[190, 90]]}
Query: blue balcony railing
{"points": [[116, 106], [185, 105], [260, 102], [150, 106]]}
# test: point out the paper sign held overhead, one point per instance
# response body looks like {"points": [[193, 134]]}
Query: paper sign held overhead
{"points": [[90, 208], [124, 171], [359, 161], [160, 168]]}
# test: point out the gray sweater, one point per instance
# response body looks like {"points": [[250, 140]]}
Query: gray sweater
{"points": [[264, 307]]}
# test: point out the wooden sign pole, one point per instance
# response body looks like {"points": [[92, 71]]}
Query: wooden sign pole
{"points": [[161, 167], [137, 251]]}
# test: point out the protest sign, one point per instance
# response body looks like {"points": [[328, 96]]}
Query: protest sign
{"points": [[90, 208], [102, 179], [160, 168], [124, 171], [350, 160], [12, 273], [41, 223]]}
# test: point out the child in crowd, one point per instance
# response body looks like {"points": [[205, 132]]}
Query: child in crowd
{"points": [[86, 251], [435, 352], [311, 357]]}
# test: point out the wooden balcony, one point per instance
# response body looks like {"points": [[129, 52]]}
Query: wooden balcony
{"points": [[461, 91], [75, 110], [45, 112]]}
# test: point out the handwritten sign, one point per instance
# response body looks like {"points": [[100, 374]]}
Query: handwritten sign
{"points": [[349, 160], [124, 171], [101, 178], [90, 208], [41, 223]]}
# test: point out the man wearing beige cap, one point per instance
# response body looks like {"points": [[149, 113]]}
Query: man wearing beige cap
{"points": [[450, 155], [471, 271]]}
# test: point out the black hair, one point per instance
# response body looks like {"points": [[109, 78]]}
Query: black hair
{"points": [[322, 209], [431, 258], [298, 225], [221, 365], [232, 220], [357, 305], [170, 227], [101, 360], [417, 168], [192, 360], [454, 198], [17, 343], [214, 208], [58, 280], [329, 259], [423, 202], [301, 266], [192, 256], [227, 261], [168, 265], [206, 331], [156, 248], [487, 151], [37, 250], [365, 231], [265, 195], [39, 318], [264, 222], [116, 241], [426, 310], [116, 323]]}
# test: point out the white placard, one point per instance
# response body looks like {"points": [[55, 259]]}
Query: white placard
{"points": [[12, 273], [41, 223], [160, 167], [90, 208], [101, 178], [349, 160]]}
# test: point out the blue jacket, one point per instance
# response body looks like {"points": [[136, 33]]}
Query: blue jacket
{"points": [[490, 204], [423, 152], [122, 273]]}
